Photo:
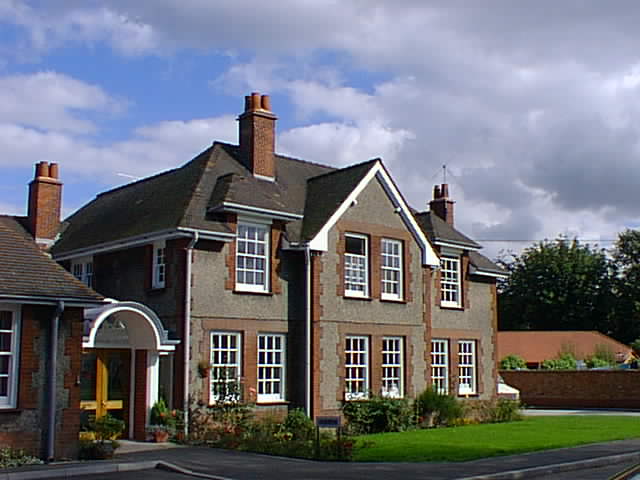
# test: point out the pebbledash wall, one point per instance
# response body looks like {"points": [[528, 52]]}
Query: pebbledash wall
{"points": [[336, 316], [213, 290], [25, 426], [576, 388], [476, 321]]}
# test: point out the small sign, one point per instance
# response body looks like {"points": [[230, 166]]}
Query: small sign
{"points": [[328, 422]]}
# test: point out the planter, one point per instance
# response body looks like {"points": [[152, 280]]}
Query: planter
{"points": [[160, 436]]}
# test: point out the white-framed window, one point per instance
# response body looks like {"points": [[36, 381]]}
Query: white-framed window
{"points": [[356, 265], [391, 269], [467, 367], [159, 268], [9, 354], [356, 367], [225, 367], [271, 367], [393, 367], [450, 284], [252, 257], [440, 365], [82, 269]]}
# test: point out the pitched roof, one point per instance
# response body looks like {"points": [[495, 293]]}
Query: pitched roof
{"points": [[26, 271], [538, 346], [483, 265], [440, 231], [185, 196], [325, 194]]}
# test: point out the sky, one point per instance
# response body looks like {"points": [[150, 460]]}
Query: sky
{"points": [[533, 107]]}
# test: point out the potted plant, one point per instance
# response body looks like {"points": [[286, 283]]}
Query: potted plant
{"points": [[162, 421], [159, 433], [107, 429]]}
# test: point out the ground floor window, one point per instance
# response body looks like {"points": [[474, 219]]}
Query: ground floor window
{"points": [[271, 367], [467, 367], [356, 367], [392, 367], [225, 367], [8, 355], [440, 365]]}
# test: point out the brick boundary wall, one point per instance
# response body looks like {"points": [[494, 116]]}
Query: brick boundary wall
{"points": [[576, 388]]}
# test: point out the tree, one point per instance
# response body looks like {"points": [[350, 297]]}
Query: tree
{"points": [[557, 285], [626, 255]]}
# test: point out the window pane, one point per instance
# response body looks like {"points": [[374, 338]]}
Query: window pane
{"points": [[355, 245], [5, 320]]}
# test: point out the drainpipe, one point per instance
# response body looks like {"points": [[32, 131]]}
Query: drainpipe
{"points": [[186, 341], [50, 399], [307, 360]]}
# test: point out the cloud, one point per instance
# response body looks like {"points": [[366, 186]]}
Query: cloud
{"points": [[52, 101]]}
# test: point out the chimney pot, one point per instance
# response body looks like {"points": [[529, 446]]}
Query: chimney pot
{"points": [[255, 101], [53, 170], [444, 190], [247, 103], [45, 199], [42, 169], [266, 103]]}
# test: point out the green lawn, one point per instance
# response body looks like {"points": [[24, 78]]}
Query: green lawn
{"points": [[479, 441]]}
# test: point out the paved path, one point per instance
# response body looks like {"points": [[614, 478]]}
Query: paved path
{"points": [[245, 466]]}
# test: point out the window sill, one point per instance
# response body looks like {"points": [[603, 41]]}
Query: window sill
{"points": [[452, 307], [272, 403], [356, 297], [250, 292], [10, 410], [394, 300]]}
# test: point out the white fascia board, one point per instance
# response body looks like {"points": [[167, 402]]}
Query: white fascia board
{"points": [[144, 239], [457, 246], [257, 211], [484, 273], [321, 240]]}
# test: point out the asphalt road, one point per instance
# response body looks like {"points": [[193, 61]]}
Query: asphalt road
{"points": [[600, 473]]}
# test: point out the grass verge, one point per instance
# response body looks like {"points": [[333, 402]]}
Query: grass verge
{"points": [[472, 442]]}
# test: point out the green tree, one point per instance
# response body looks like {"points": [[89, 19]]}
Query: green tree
{"points": [[626, 255], [513, 362], [557, 285]]}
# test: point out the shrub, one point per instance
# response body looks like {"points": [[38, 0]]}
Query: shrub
{"points": [[506, 410], [433, 408], [378, 414], [513, 362], [107, 427], [300, 426], [12, 458], [597, 362], [603, 356], [565, 361]]}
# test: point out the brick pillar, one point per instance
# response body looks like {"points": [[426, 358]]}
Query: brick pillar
{"points": [[140, 396], [258, 136], [45, 200]]}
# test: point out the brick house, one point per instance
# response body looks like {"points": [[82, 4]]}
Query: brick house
{"points": [[41, 325], [310, 285]]}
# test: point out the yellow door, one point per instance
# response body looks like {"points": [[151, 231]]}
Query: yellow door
{"points": [[104, 383]]}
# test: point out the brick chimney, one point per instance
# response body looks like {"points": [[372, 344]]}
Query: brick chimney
{"points": [[258, 136], [441, 205], [45, 200]]}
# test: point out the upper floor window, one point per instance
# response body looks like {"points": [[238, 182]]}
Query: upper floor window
{"points": [[159, 270], [450, 285], [392, 367], [271, 367], [225, 367], [82, 269], [9, 355], [391, 269], [467, 367], [440, 365], [356, 266], [356, 368], [252, 257]]}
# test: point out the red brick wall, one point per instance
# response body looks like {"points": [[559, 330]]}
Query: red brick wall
{"points": [[45, 196], [140, 396], [257, 142], [581, 388]]}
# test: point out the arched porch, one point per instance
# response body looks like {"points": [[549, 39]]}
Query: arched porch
{"points": [[123, 343]]}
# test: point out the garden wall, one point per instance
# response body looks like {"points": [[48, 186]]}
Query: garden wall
{"points": [[576, 388]]}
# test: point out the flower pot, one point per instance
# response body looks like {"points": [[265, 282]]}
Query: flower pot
{"points": [[160, 436]]}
